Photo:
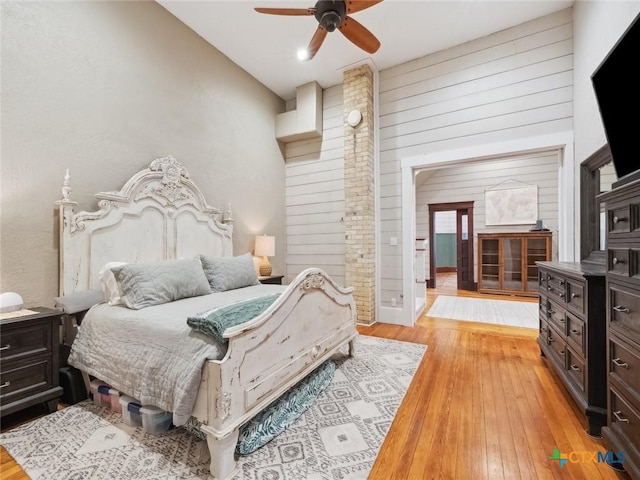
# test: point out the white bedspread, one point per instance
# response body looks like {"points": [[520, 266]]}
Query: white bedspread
{"points": [[152, 354]]}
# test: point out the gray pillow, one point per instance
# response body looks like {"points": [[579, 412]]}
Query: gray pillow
{"points": [[228, 273], [144, 285]]}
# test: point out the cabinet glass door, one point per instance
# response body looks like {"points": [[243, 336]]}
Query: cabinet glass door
{"points": [[490, 263], [512, 261], [536, 252]]}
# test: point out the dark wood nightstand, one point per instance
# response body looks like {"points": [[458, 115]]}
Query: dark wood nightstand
{"points": [[29, 354], [272, 279]]}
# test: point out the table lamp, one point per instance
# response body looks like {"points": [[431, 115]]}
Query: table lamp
{"points": [[265, 247]]}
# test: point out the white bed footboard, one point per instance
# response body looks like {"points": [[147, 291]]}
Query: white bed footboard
{"points": [[310, 322]]}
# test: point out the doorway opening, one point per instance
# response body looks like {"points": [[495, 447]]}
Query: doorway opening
{"points": [[451, 246]]}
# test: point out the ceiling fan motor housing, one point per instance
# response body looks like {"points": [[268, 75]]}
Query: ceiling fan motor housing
{"points": [[330, 14]]}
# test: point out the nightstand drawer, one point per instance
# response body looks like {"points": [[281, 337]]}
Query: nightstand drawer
{"points": [[32, 339], [21, 380]]}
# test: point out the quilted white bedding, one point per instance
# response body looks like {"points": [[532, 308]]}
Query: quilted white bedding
{"points": [[152, 354]]}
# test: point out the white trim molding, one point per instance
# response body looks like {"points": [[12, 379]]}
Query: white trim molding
{"points": [[561, 141]]}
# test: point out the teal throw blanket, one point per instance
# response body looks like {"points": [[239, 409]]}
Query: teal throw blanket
{"points": [[214, 322]]}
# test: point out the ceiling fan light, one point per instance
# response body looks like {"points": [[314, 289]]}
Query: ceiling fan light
{"points": [[303, 54]]}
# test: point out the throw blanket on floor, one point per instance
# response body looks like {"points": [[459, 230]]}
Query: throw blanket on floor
{"points": [[215, 322]]}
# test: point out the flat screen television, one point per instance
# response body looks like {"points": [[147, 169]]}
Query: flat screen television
{"points": [[616, 83]]}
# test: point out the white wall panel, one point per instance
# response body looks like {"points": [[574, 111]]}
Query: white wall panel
{"points": [[315, 196], [513, 84]]}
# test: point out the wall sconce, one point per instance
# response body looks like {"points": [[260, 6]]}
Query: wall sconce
{"points": [[265, 247]]}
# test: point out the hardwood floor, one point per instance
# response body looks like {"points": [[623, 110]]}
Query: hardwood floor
{"points": [[482, 405]]}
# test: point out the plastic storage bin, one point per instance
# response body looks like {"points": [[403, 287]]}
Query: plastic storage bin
{"points": [[114, 399], [130, 410], [100, 393], [155, 420]]}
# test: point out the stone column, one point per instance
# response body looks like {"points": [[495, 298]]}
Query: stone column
{"points": [[359, 186]]}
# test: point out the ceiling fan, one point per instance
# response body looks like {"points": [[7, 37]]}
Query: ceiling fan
{"points": [[331, 15]]}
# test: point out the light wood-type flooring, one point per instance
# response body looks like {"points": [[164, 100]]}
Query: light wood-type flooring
{"points": [[482, 405]]}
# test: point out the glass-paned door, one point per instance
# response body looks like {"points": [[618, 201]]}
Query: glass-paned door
{"points": [[490, 263], [512, 261], [536, 252]]}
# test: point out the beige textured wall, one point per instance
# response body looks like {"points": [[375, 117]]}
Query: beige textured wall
{"points": [[102, 88]]}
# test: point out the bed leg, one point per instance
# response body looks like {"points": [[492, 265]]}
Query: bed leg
{"points": [[352, 347], [223, 464]]}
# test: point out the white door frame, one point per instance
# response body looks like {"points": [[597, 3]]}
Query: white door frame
{"points": [[561, 141]]}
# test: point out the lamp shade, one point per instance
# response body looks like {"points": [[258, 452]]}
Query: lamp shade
{"points": [[265, 246]]}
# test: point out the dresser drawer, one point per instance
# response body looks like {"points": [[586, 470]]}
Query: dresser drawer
{"points": [[20, 380], [542, 281], [556, 315], [557, 288], [624, 366], [575, 296], [575, 334], [32, 339], [624, 418], [624, 311], [543, 331], [558, 348], [618, 220], [618, 261], [575, 367]]}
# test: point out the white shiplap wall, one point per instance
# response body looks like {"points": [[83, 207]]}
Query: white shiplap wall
{"points": [[513, 84], [468, 183], [315, 195]]}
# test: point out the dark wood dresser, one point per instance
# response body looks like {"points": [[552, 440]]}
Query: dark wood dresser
{"points": [[29, 360], [622, 433], [572, 333]]}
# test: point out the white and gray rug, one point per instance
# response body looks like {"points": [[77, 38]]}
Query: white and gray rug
{"points": [[337, 438], [500, 312]]}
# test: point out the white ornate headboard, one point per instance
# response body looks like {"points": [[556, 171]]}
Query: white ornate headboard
{"points": [[159, 214]]}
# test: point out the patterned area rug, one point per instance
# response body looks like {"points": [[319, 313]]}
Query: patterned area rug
{"points": [[337, 438], [500, 312]]}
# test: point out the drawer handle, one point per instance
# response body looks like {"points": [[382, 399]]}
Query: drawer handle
{"points": [[575, 331], [617, 219], [575, 368], [621, 309], [562, 352], [562, 320], [5, 384], [551, 311], [618, 363], [549, 289], [616, 261], [619, 417], [561, 295], [551, 339], [574, 295], [6, 347], [561, 282], [550, 277], [543, 329]]}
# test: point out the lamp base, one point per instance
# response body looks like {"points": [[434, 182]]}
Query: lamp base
{"points": [[265, 270]]}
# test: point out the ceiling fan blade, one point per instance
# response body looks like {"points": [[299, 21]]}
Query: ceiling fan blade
{"points": [[316, 42], [359, 35], [285, 11], [357, 5]]}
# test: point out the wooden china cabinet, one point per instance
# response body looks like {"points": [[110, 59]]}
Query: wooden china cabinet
{"points": [[507, 261]]}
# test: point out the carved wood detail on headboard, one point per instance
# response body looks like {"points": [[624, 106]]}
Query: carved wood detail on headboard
{"points": [[160, 213]]}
